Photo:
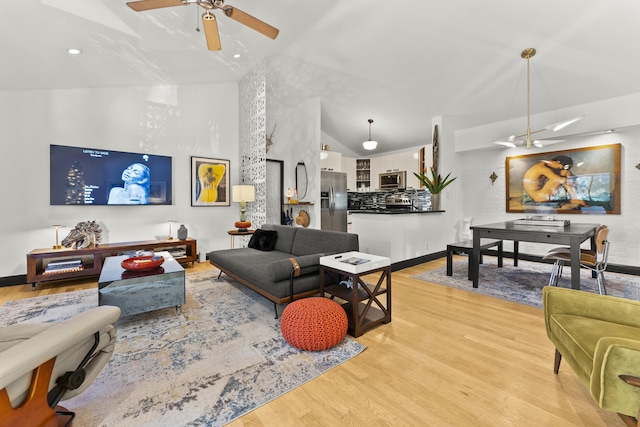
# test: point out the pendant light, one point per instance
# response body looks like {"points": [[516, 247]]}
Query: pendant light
{"points": [[513, 141], [370, 144]]}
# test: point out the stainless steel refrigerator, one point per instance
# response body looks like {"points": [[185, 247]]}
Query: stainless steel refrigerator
{"points": [[333, 201]]}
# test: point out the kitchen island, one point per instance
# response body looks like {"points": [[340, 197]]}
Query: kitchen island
{"points": [[400, 234]]}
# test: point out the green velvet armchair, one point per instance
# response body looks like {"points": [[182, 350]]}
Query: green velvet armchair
{"points": [[599, 337]]}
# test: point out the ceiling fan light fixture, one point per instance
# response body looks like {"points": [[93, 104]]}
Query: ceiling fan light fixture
{"points": [[370, 144], [527, 54], [209, 20]]}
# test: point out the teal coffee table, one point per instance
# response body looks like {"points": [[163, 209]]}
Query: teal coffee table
{"points": [[141, 291]]}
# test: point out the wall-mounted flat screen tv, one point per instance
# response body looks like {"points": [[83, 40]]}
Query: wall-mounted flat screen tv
{"points": [[89, 176]]}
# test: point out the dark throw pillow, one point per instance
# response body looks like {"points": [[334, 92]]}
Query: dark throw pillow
{"points": [[264, 240]]}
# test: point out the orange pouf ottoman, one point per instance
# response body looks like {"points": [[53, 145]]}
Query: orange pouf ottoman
{"points": [[314, 323]]}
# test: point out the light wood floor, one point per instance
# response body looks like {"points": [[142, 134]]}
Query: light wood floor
{"points": [[448, 358]]}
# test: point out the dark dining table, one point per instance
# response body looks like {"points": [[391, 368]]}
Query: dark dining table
{"points": [[571, 235]]}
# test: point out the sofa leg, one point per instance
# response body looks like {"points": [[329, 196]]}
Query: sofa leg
{"points": [[556, 363], [629, 421], [275, 308], [634, 381]]}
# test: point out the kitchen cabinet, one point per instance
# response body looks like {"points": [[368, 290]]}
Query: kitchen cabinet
{"points": [[376, 170], [330, 161], [412, 165], [349, 166], [363, 175], [393, 162], [405, 161]]}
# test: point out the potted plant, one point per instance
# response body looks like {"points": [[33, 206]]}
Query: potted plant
{"points": [[435, 185]]}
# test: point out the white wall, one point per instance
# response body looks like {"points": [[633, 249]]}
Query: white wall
{"points": [[297, 139], [180, 121], [486, 203], [298, 135]]}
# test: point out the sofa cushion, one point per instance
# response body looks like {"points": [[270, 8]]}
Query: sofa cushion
{"points": [[263, 240], [281, 269], [253, 266], [286, 234], [311, 241]]}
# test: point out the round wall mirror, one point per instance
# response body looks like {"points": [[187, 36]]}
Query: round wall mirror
{"points": [[301, 180]]}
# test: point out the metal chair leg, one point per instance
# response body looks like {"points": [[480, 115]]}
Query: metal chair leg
{"points": [[560, 268], [554, 270], [602, 288]]}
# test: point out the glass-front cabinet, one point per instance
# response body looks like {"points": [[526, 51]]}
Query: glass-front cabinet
{"points": [[363, 175]]}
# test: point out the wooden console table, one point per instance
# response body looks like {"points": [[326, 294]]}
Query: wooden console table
{"points": [[92, 258]]}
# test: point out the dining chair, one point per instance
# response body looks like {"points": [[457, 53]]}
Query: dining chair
{"points": [[595, 261]]}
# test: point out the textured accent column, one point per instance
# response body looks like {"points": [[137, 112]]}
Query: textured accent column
{"points": [[253, 119]]}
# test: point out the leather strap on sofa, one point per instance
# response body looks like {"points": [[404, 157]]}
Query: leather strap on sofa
{"points": [[296, 267]]}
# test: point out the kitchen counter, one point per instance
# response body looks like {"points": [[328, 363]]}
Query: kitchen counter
{"points": [[391, 211], [401, 234]]}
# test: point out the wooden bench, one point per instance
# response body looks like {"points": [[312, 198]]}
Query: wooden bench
{"points": [[466, 247]]}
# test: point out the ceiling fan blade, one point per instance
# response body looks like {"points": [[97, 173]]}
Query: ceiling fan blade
{"points": [[544, 142], [251, 22], [143, 5], [210, 25], [561, 125], [509, 142]]}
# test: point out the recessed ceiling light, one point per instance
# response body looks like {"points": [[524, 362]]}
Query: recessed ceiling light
{"points": [[237, 55], [609, 130], [74, 51]]}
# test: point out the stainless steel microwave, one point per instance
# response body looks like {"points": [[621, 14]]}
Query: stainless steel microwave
{"points": [[393, 180]]}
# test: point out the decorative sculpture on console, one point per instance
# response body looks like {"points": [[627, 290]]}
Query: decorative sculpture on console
{"points": [[86, 234]]}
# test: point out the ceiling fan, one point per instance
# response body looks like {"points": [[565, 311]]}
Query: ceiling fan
{"points": [[515, 140], [209, 21]]}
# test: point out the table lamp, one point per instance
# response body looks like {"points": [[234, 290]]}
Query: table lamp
{"points": [[243, 194]]}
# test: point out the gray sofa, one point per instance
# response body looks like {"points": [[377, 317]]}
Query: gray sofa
{"points": [[273, 273]]}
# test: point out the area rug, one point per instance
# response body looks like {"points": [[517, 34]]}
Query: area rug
{"points": [[523, 284], [222, 357]]}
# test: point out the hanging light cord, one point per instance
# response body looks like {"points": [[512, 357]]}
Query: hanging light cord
{"points": [[527, 54]]}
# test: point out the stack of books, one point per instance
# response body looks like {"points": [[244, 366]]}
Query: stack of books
{"points": [[64, 266], [178, 252]]}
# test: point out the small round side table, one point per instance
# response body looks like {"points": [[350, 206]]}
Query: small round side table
{"points": [[233, 233]]}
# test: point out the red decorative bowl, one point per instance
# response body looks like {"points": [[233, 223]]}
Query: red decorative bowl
{"points": [[141, 263], [242, 224]]}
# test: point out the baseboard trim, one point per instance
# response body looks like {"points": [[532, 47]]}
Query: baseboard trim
{"points": [[612, 268], [419, 260], [20, 279]]}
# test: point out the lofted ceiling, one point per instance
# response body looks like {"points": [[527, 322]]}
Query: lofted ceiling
{"points": [[399, 63]]}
